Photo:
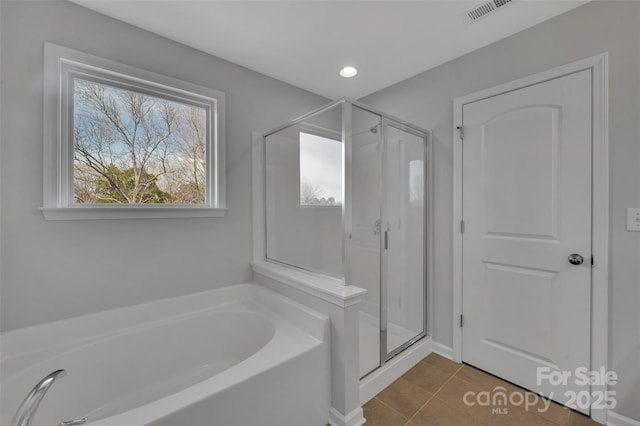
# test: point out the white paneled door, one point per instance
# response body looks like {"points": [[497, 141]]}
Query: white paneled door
{"points": [[527, 234]]}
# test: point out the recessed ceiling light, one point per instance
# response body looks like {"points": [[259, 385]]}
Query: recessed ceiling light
{"points": [[348, 72]]}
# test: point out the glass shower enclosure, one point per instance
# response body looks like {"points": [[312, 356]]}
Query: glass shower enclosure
{"points": [[347, 191]]}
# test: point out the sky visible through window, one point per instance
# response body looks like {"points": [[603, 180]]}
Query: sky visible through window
{"points": [[320, 171], [133, 148]]}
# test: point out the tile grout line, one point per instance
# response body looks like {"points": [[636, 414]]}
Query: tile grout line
{"points": [[458, 370], [515, 386], [472, 383], [433, 395], [388, 406], [447, 381], [453, 375], [418, 410]]}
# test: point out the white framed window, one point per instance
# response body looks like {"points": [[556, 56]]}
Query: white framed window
{"points": [[321, 182], [121, 142]]}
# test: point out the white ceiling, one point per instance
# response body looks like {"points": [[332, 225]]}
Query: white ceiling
{"points": [[305, 43]]}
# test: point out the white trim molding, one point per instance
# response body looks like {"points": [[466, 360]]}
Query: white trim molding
{"points": [[62, 68], [354, 418], [321, 286], [118, 212], [442, 350], [615, 419], [600, 205], [393, 369], [258, 202]]}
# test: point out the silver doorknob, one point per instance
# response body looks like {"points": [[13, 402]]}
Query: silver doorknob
{"points": [[575, 259]]}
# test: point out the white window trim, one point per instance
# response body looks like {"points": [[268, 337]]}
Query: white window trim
{"points": [[60, 63]]}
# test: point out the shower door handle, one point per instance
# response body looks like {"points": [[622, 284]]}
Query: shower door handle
{"points": [[386, 239]]}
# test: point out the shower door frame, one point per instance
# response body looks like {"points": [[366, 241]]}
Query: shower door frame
{"points": [[387, 122], [347, 130], [346, 159]]}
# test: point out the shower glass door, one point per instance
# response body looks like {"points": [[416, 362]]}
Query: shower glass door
{"points": [[346, 198], [403, 290], [367, 148]]}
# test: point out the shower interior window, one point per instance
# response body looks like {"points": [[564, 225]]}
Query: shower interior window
{"points": [[320, 171], [416, 181]]}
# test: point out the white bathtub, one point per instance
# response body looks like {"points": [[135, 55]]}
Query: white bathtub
{"points": [[239, 355]]}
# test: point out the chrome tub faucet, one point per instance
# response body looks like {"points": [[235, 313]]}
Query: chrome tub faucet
{"points": [[27, 410]]}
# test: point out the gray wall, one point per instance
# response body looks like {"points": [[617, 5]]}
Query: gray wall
{"points": [[426, 100], [53, 270]]}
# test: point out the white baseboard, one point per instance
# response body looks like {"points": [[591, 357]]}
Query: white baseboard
{"points": [[354, 418], [615, 419], [440, 349], [375, 382]]}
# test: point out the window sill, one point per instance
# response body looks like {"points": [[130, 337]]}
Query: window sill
{"points": [[96, 213], [319, 207]]}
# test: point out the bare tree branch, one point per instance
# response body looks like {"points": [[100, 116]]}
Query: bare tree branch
{"points": [[156, 145]]}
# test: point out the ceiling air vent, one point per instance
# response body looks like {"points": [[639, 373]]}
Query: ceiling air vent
{"points": [[486, 8], [500, 3]]}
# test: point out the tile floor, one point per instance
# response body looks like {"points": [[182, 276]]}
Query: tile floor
{"points": [[432, 392]]}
